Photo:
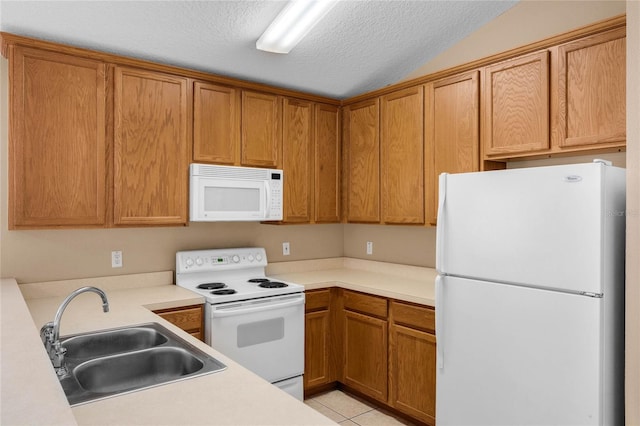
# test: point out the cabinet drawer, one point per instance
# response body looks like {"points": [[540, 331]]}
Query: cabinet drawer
{"points": [[359, 302], [317, 300], [188, 319], [414, 316]]}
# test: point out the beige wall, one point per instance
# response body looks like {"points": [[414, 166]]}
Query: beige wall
{"points": [[50, 255], [527, 22], [632, 356], [65, 254], [409, 245]]}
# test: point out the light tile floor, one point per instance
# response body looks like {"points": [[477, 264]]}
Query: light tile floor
{"points": [[348, 410]]}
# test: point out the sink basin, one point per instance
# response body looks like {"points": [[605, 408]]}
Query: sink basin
{"points": [[110, 342], [112, 362], [134, 370]]}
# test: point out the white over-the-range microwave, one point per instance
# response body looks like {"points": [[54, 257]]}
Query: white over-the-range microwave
{"points": [[230, 193]]}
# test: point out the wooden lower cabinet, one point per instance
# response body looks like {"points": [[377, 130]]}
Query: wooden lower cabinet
{"points": [[412, 361], [380, 348], [318, 370], [365, 354], [188, 318]]}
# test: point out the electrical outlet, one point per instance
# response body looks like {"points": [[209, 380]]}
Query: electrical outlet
{"points": [[116, 259], [369, 247], [286, 250]]}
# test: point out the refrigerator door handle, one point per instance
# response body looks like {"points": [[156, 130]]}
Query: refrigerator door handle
{"points": [[442, 190], [439, 325]]}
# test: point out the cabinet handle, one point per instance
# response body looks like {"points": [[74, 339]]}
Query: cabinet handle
{"points": [[439, 325], [267, 199], [442, 190]]}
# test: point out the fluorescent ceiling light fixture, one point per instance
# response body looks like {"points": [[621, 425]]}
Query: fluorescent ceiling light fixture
{"points": [[292, 24]]}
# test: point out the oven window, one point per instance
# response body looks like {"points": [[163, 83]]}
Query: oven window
{"points": [[254, 333], [231, 199]]}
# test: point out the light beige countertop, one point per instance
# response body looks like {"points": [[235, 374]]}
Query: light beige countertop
{"points": [[32, 395], [402, 282]]}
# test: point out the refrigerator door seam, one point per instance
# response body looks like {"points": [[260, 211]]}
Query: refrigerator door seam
{"points": [[532, 286]]}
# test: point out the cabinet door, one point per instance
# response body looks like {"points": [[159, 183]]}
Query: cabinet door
{"points": [[261, 129], [296, 160], [57, 150], [412, 360], [316, 349], [188, 318], [327, 164], [151, 148], [365, 354], [402, 171], [515, 100], [591, 91], [216, 124], [363, 162], [452, 131], [412, 372]]}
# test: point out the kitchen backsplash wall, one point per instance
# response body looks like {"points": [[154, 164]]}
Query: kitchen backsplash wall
{"points": [[408, 245], [32, 256], [66, 254], [47, 255]]}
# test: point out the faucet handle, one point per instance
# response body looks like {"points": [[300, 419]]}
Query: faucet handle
{"points": [[58, 359], [46, 334]]}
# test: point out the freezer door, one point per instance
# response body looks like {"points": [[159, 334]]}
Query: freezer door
{"points": [[517, 356], [538, 226]]}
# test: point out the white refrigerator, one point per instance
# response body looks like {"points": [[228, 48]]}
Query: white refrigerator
{"points": [[530, 296]]}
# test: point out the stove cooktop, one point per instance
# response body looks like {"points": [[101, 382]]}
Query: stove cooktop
{"points": [[229, 275]]}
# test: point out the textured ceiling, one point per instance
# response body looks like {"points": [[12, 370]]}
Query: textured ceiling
{"points": [[359, 46]]}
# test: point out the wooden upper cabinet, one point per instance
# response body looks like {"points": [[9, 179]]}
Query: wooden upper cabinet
{"points": [[516, 105], [151, 147], [451, 131], [327, 164], [591, 91], [57, 149], [297, 150], [362, 127], [216, 124], [261, 129], [402, 151]]}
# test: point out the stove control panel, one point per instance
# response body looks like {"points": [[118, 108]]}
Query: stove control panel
{"points": [[220, 259]]}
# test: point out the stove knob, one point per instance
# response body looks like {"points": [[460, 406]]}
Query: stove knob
{"points": [[250, 257], [189, 261], [199, 261], [258, 257], [235, 258]]}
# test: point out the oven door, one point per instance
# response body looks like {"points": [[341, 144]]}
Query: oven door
{"points": [[264, 335]]}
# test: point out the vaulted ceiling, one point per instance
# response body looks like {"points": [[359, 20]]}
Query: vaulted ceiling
{"points": [[361, 45]]}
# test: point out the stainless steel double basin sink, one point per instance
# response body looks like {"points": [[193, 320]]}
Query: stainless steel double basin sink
{"points": [[110, 362]]}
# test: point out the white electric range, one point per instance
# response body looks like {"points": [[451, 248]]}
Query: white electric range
{"points": [[256, 321]]}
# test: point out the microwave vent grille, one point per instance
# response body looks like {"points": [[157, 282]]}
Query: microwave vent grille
{"points": [[228, 172]]}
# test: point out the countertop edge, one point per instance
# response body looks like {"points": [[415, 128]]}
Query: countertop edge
{"points": [[20, 347]]}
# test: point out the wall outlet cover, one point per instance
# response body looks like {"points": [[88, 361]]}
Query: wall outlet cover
{"points": [[116, 259]]}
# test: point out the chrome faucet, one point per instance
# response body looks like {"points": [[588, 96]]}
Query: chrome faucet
{"points": [[50, 332]]}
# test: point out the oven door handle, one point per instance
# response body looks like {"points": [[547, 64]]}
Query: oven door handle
{"points": [[241, 310]]}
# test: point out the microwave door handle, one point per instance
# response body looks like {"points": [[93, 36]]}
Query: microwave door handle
{"points": [[267, 200]]}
